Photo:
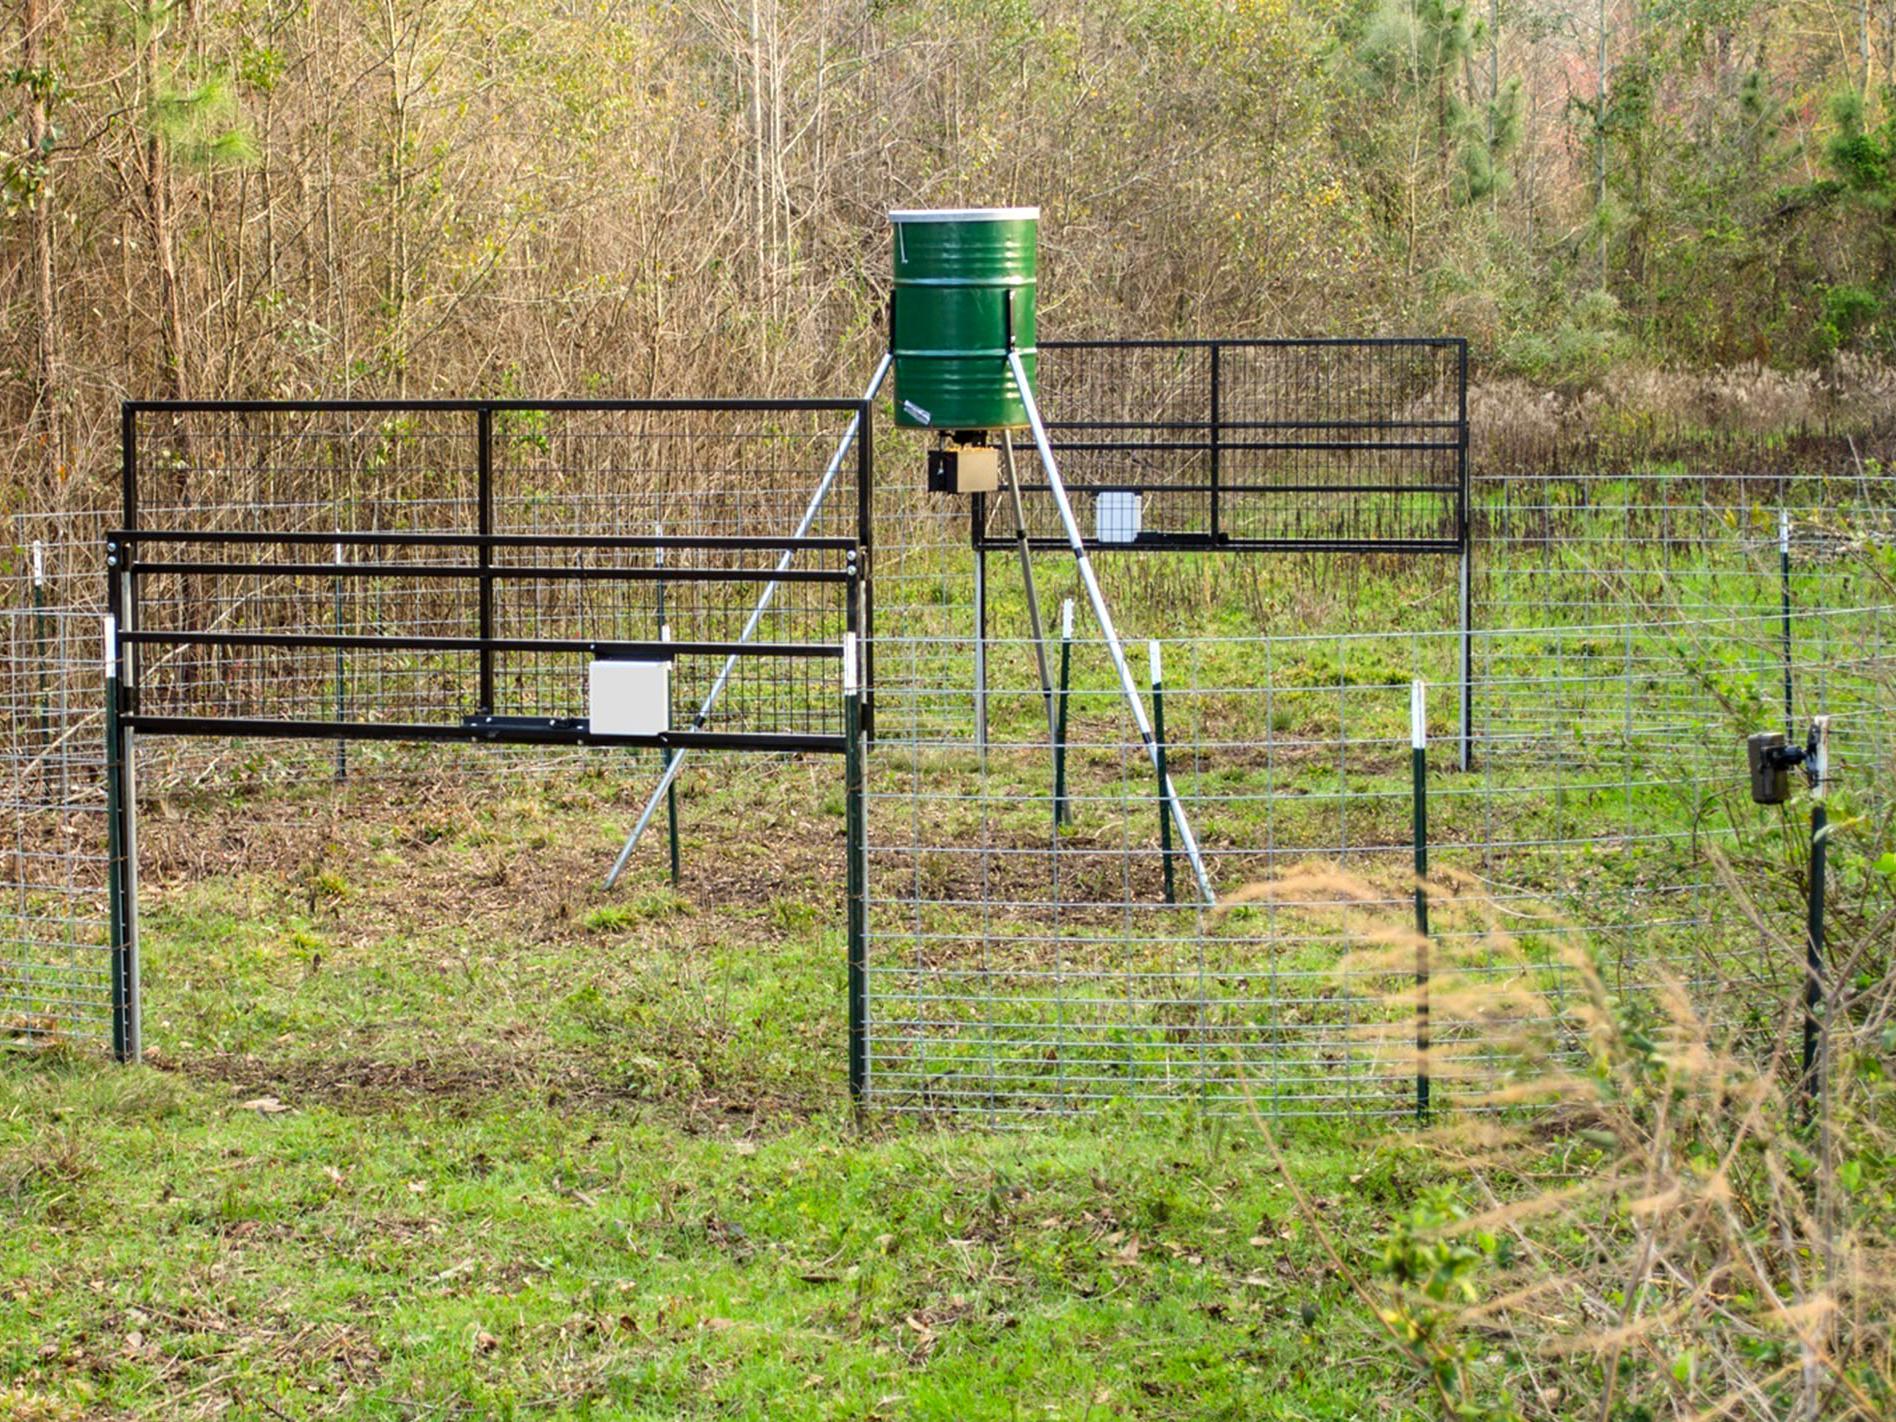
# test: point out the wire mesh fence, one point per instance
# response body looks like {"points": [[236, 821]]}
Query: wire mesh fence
{"points": [[54, 968], [1629, 620], [1628, 626]]}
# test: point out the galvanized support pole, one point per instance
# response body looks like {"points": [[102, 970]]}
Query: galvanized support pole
{"points": [[980, 654], [342, 707], [856, 433], [1090, 583], [1158, 741], [1814, 993], [1034, 625], [1419, 796], [856, 876], [1062, 812], [1784, 581]]}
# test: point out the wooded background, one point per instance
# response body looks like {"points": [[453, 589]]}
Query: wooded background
{"points": [[568, 197]]}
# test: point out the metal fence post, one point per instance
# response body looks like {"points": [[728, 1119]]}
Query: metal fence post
{"points": [[1784, 587], [671, 790], [856, 875], [1419, 782], [342, 714], [670, 754], [484, 516], [121, 883], [1158, 740], [1814, 994], [1062, 812], [1464, 529]]}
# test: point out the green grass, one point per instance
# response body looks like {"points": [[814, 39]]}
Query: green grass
{"points": [[434, 1126], [442, 1129]]}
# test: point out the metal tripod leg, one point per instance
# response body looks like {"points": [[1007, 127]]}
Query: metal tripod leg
{"points": [[750, 629], [1187, 840]]}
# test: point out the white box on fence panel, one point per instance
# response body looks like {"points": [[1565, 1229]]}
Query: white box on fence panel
{"points": [[630, 698], [1116, 516]]}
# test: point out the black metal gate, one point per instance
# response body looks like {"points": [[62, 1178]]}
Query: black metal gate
{"points": [[1307, 444], [450, 571]]}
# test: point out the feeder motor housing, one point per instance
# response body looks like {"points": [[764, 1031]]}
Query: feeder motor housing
{"points": [[964, 469]]}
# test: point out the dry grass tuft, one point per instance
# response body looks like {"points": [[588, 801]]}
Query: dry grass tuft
{"points": [[1647, 1218]]}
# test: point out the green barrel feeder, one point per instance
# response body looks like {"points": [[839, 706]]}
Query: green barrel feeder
{"points": [[960, 275]]}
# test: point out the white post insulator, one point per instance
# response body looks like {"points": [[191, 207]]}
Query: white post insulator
{"points": [[1784, 530], [1066, 620], [849, 663], [39, 564], [111, 645], [338, 554], [1418, 714], [1820, 760], [1158, 669]]}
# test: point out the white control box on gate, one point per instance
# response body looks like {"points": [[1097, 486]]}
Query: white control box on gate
{"points": [[629, 698]]}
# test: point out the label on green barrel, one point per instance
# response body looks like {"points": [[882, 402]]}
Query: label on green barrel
{"points": [[965, 293]]}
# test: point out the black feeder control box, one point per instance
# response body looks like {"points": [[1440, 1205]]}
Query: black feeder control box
{"points": [[964, 469]]}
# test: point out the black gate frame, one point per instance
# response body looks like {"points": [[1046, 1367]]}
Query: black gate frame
{"points": [[127, 561], [1216, 434]]}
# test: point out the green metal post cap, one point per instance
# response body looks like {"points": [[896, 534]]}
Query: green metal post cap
{"points": [[964, 279]]}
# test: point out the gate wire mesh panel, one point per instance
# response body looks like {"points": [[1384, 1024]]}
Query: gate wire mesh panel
{"points": [[55, 972], [1629, 634], [575, 471], [1283, 444]]}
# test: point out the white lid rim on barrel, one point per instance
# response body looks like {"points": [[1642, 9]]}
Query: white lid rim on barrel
{"points": [[965, 214]]}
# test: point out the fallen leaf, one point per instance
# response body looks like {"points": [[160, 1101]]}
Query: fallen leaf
{"points": [[264, 1106], [417, 1187], [745, 1147]]}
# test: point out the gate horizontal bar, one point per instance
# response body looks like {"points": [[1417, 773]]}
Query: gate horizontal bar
{"points": [[499, 572], [498, 733], [1225, 424], [395, 407], [1288, 446], [1253, 342], [382, 539], [1225, 543], [662, 650], [1195, 488]]}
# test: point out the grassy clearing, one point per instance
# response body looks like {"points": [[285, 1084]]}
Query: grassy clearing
{"points": [[436, 1128]]}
